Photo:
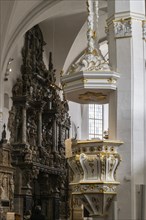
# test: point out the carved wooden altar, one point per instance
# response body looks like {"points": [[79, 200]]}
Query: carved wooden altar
{"points": [[6, 177], [39, 124]]}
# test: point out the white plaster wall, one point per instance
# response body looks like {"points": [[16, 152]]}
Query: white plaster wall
{"points": [[106, 117], [124, 127], [59, 34], [76, 119], [145, 105], [144, 49], [15, 66], [84, 122]]}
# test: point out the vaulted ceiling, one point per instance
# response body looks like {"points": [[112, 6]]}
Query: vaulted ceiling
{"points": [[62, 24]]}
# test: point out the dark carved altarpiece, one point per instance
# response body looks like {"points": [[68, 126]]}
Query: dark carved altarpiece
{"points": [[39, 124], [6, 177]]}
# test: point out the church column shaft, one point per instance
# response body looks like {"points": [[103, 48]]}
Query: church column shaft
{"points": [[126, 53]]}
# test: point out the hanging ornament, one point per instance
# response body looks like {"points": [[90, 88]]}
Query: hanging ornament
{"points": [[92, 59]]}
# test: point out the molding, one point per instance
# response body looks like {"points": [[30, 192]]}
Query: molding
{"points": [[125, 15], [123, 27]]}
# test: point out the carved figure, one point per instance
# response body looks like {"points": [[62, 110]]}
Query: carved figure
{"points": [[11, 192], [31, 131], [34, 153], [11, 123], [28, 154], [18, 126], [4, 133], [4, 189]]}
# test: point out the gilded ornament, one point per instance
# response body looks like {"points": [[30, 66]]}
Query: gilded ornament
{"points": [[123, 28], [92, 96]]}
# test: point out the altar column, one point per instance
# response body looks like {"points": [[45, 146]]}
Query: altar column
{"points": [[54, 134], [24, 136], [1, 101], [127, 110]]}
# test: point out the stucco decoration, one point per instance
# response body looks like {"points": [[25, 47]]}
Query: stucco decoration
{"points": [[122, 28]]}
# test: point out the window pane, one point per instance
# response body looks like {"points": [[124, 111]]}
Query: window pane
{"points": [[98, 136], [91, 126], [95, 121], [91, 111], [98, 112], [91, 136]]}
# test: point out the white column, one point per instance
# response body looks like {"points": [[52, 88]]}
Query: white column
{"points": [[1, 102], [144, 42], [126, 51]]}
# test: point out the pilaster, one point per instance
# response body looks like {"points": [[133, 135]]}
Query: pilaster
{"points": [[144, 42], [126, 33], [1, 104]]}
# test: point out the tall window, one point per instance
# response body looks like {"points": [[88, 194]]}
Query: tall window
{"points": [[95, 121]]}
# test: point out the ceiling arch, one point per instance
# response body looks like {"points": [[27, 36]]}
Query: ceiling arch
{"points": [[20, 16]]}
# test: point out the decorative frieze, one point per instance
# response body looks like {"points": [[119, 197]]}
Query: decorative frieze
{"points": [[123, 28], [94, 188]]}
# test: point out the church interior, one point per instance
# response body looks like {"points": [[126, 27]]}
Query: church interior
{"points": [[73, 109]]}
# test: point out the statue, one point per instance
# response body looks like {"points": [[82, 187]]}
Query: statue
{"points": [[11, 192], [28, 154], [31, 131], [4, 133], [11, 123], [4, 189]]}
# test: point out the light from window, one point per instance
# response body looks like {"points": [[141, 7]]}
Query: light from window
{"points": [[95, 121]]}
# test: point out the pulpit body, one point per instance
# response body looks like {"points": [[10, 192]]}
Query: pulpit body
{"points": [[93, 165]]}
